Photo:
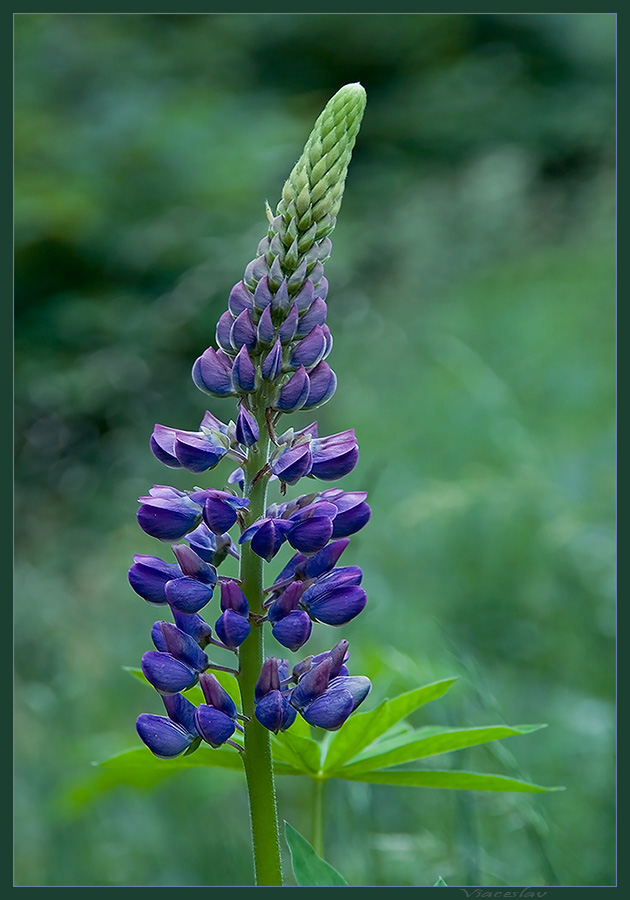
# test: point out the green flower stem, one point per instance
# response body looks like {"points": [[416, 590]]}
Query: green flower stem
{"points": [[317, 831], [257, 756]]}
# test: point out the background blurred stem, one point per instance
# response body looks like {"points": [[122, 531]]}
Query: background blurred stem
{"points": [[257, 757], [317, 832]]}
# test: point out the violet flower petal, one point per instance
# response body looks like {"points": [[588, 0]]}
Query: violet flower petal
{"points": [[164, 738]]}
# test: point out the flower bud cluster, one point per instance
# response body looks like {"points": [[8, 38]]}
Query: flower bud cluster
{"points": [[273, 339], [319, 688], [272, 346], [186, 725], [271, 343]]}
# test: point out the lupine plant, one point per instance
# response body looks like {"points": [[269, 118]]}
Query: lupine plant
{"points": [[225, 700]]}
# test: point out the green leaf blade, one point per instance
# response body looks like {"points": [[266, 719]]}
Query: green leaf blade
{"points": [[205, 757], [302, 752], [143, 759], [450, 779], [310, 870], [418, 745], [362, 729]]}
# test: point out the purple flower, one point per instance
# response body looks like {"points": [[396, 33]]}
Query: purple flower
{"points": [[310, 350], [294, 630], [262, 293], [187, 595], [193, 590], [169, 737], [148, 577], [239, 299], [211, 423], [280, 301], [233, 626], [195, 626], [334, 456], [294, 393], [196, 451], [215, 719], [315, 315], [273, 709], [212, 373], [168, 514], [321, 290], [311, 527], [311, 684], [232, 597], [322, 385], [177, 667], [267, 536], [265, 330], [243, 372], [232, 629], [193, 566], [243, 332], [167, 674], [303, 567], [323, 696], [323, 561], [308, 526], [339, 655], [217, 696], [291, 626], [272, 363], [293, 463], [288, 328], [284, 510], [342, 696], [220, 510], [304, 298], [247, 432], [223, 332], [352, 510], [336, 598], [210, 547]]}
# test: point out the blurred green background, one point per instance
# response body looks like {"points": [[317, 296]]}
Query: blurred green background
{"points": [[472, 305]]}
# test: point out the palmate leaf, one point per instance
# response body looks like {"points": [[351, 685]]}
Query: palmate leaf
{"points": [[362, 750], [419, 744], [462, 781], [310, 870], [363, 728]]}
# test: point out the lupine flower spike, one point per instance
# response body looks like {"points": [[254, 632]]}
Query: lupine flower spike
{"points": [[271, 354]]}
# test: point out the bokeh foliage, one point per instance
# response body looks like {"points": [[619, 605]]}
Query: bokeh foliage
{"points": [[472, 305]]}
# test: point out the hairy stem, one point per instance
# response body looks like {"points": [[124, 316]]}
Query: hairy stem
{"points": [[257, 756]]}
